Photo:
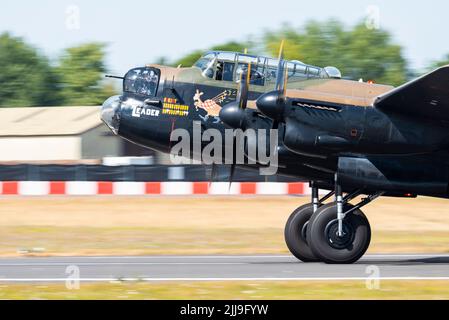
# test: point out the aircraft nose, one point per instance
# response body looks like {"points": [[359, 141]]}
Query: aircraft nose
{"points": [[110, 113]]}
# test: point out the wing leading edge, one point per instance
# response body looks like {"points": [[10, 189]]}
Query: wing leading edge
{"points": [[427, 97]]}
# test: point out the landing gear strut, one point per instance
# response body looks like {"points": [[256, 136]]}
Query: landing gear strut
{"points": [[297, 226], [337, 232]]}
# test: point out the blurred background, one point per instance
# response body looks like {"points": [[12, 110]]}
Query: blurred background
{"points": [[53, 59], [55, 54]]}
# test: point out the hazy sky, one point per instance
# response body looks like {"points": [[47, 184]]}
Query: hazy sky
{"points": [[139, 31]]}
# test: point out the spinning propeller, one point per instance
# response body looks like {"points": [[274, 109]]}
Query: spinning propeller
{"points": [[233, 114], [272, 104]]}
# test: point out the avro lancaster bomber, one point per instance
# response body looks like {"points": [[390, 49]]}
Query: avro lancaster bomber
{"points": [[357, 140]]}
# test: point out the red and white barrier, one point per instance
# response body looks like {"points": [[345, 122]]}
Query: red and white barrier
{"points": [[82, 188]]}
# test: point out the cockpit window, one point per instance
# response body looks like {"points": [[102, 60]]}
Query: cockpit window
{"points": [[227, 71], [257, 68], [142, 81], [225, 66], [207, 64], [228, 66]]}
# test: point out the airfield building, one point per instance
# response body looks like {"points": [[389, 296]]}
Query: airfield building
{"points": [[60, 134]]}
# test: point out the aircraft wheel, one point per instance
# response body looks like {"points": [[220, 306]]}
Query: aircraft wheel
{"points": [[296, 233], [328, 246]]}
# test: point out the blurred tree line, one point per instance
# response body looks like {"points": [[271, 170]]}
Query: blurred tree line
{"points": [[359, 52], [27, 78]]}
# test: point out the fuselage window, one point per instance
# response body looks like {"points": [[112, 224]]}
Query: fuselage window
{"points": [[313, 72]]}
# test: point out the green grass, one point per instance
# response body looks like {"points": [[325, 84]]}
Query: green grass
{"points": [[232, 290], [409, 242], [187, 241]]}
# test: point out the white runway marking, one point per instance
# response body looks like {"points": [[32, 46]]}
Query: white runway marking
{"points": [[56, 264], [370, 256]]}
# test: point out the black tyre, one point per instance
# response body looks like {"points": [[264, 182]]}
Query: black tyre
{"points": [[323, 237], [296, 233]]}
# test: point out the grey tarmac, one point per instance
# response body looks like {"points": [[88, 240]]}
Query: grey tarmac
{"points": [[221, 268]]}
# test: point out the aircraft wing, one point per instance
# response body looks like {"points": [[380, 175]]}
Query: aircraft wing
{"points": [[426, 97]]}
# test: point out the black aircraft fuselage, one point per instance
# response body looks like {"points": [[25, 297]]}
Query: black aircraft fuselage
{"points": [[351, 137], [318, 137]]}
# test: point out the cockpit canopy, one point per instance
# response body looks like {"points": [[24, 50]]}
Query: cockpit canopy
{"points": [[228, 66], [142, 81]]}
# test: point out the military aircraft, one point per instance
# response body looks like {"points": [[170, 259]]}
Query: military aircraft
{"points": [[358, 140]]}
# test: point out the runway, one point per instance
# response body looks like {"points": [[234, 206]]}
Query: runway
{"points": [[220, 268]]}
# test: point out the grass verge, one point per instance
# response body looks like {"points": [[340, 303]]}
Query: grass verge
{"points": [[90, 241], [232, 290], [198, 225]]}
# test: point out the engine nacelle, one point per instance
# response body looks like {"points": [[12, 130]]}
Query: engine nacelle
{"points": [[309, 140], [301, 139]]}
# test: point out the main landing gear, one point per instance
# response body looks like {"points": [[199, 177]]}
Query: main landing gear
{"points": [[337, 232]]}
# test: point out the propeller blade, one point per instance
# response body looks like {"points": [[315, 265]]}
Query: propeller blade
{"points": [[280, 70], [244, 88], [281, 50], [272, 104], [248, 75], [284, 87], [231, 176], [213, 174], [233, 113], [239, 91]]}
